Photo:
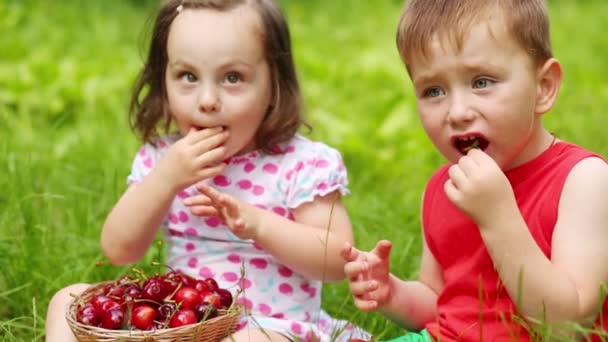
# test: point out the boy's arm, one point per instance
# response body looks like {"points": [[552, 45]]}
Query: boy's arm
{"points": [[412, 304], [567, 286]]}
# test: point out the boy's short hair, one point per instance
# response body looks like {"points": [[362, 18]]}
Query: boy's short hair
{"points": [[451, 21]]}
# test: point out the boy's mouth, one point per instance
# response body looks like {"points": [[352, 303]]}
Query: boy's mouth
{"points": [[465, 144]]}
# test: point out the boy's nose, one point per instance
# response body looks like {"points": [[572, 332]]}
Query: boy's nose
{"points": [[208, 100], [459, 112]]}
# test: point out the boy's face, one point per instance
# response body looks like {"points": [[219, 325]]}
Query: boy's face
{"points": [[483, 96]]}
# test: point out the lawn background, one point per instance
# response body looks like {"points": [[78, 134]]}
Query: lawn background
{"points": [[66, 68]]}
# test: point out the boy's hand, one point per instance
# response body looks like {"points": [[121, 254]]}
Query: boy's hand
{"points": [[242, 218], [368, 275], [195, 157], [479, 188]]}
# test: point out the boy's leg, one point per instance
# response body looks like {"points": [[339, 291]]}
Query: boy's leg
{"points": [[56, 326], [422, 336]]}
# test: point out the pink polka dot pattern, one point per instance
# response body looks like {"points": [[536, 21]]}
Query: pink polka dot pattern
{"points": [[182, 216], [230, 276], [259, 263], [244, 184], [191, 232], [270, 168], [286, 289], [205, 272], [245, 283], [192, 262], [234, 258], [285, 271], [213, 221], [221, 181], [190, 247], [265, 309]]}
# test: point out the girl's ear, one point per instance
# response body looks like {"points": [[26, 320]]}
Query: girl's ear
{"points": [[549, 80]]}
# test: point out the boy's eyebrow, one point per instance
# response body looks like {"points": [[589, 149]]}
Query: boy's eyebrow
{"points": [[467, 68]]}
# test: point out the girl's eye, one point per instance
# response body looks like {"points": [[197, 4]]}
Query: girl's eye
{"points": [[233, 77], [188, 77], [433, 92], [481, 83]]}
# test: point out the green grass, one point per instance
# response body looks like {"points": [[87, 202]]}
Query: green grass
{"points": [[66, 68]]}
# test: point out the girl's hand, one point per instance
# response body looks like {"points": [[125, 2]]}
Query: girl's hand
{"points": [[195, 157], [242, 218], [479, 188], [368, 275]]}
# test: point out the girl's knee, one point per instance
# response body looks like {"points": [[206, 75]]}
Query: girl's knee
{"points": [[62, 297]]}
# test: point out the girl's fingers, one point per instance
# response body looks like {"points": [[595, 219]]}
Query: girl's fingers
{"points": [[204, 210], [354, 269], [197, 200]]}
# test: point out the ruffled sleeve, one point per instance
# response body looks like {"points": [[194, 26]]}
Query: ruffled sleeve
{"points": [[314, 169], [146, 159]]}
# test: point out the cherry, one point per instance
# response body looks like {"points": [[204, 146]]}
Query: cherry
{"points": [[88, 315], [108, 305], [187, 297], [132, 292], [116, 292], [143, 316], [212, 284], [165, 311], [112, 319], [205, 311], [225, 297], [97, 300], [201, 286], [211, 298], [154, 290], [182, 317]]}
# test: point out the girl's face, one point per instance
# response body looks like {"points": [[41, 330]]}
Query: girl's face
{"points": [[217, 74], [483, 96]]}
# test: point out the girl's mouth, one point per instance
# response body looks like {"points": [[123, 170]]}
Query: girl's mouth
{"points": [[465, 144]]}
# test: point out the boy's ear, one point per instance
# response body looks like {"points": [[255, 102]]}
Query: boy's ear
{"points": [[549, 80]]}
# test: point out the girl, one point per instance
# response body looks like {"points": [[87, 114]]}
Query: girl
{"points": [[234, 187]]}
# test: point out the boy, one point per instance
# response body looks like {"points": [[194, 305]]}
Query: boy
{"points": [[516, 226]]}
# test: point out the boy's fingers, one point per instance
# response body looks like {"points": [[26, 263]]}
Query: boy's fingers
{"points": [[383, 249], [349, 252]]}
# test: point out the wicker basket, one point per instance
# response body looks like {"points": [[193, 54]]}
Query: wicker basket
{"points": [[212, 330]]}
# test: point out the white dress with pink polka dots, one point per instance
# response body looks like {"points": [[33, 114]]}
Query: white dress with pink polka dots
{"points": [[277, 297]]}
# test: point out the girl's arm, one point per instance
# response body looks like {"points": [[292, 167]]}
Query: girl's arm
{"points": [[565, 287], [132, 224], [309, 245]]}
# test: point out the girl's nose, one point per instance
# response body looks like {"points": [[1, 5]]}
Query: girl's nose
{"points": [[209, 101]]}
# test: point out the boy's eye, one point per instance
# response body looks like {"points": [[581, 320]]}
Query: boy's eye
{"points": [[481, 83], [233, 77], [433, 92], [188, 77]]}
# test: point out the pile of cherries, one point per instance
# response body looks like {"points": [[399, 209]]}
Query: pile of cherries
{"points": [[163, 301]]}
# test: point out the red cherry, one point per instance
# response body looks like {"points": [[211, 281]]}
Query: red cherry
{"points": [[212, 284], [112, 319], [165, 311], [187, 297], [205, 311], [116, 292], [108, 305], [182, 317], [201, 286], [131, 293], [225, 297], [211, 298], [98, 300], [88, 315], [154, 290], [143, 316]]}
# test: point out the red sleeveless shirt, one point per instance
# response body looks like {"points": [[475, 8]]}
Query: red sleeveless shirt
{"points": [[474, 306]]}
